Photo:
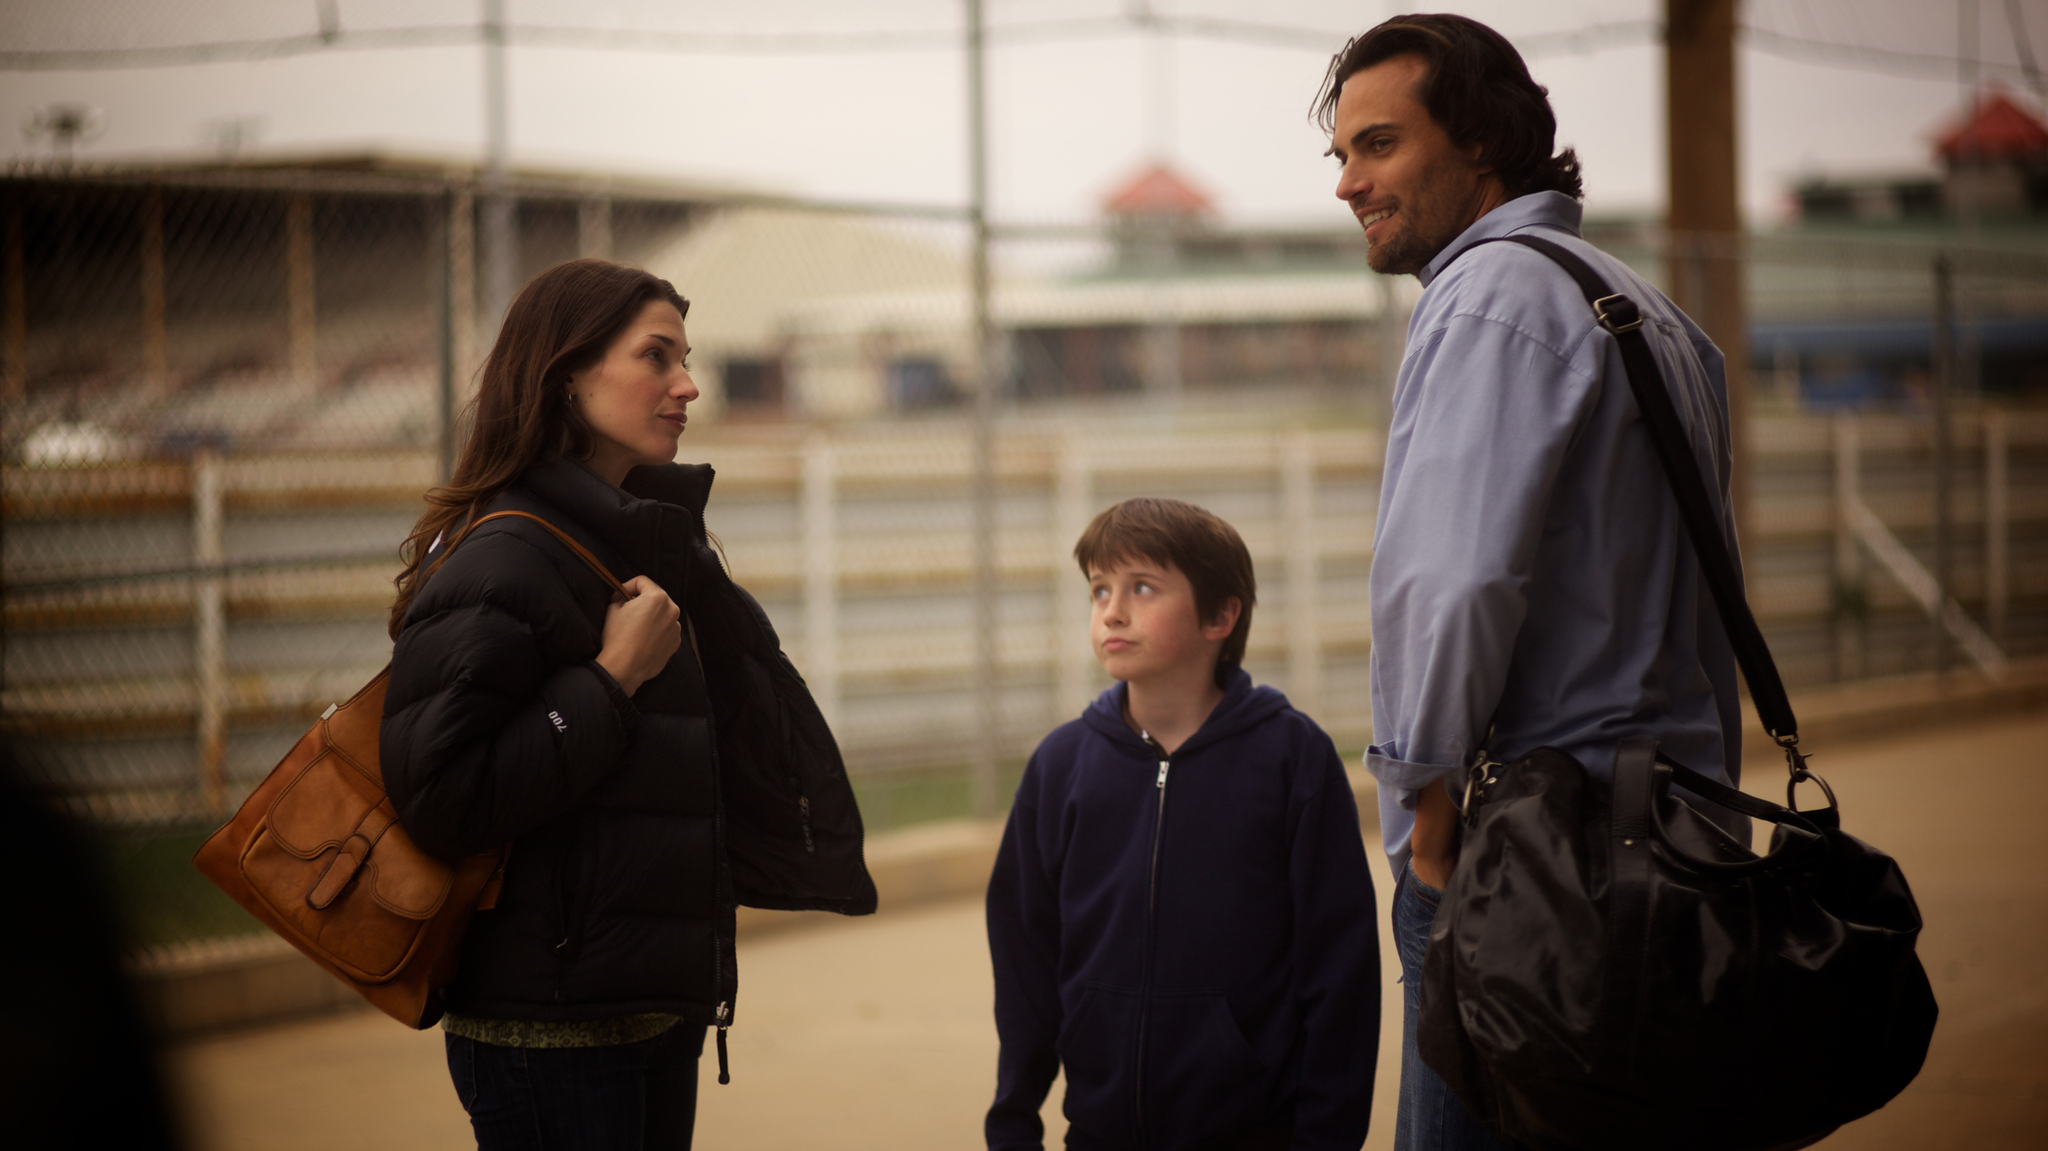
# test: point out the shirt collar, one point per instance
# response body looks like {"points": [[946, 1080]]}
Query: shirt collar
{"points": [[1554, 209]]}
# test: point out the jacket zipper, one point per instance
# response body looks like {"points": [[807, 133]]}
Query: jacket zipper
{"points": [[721, 883], [564, 878], [1151, 930], [722, 1015], [724, 1018]]}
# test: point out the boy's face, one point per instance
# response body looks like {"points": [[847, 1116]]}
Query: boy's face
{"points": [[1144, 623]]}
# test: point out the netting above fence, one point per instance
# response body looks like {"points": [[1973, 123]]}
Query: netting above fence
{"points": [[225, 394]]}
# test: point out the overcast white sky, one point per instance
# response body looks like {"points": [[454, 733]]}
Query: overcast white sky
{"points": [[1068, 117]]}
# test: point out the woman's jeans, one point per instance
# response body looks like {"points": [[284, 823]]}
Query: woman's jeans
{"points": [[621, 1098], [1431, 1118]]}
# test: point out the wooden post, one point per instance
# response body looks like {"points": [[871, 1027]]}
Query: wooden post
{"points": [[1704, 217], [1851, 606], [819, 504], [1073, 647], [298, 245], [155, 356], [594, 227], [1997, 517], [210, 621], [15, 361], [1298, 544]]}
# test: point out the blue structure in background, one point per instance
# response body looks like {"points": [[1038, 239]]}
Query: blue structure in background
{"points": [[1858, 363]]}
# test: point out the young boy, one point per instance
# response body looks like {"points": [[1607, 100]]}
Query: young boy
{"points": [[1181, 915]]}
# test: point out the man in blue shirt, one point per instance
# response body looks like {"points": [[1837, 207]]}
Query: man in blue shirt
{"points": [[1531, 576]]}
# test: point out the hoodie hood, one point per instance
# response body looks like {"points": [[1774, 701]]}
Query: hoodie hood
{"points": [[1242, 707]]}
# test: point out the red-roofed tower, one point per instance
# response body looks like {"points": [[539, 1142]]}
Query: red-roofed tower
{"points": [[1997, 159]]}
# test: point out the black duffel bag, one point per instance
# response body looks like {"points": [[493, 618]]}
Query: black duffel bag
{"points": [[1610, 969]]}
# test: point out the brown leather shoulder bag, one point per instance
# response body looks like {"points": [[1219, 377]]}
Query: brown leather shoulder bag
{"points": [[317, 854]]}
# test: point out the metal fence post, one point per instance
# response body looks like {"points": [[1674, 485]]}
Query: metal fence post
{"points": [[462, 321], [501, 210], [1073, 646], [210, 646], [1997, 516], [1944, 464], [155, 358], [1393, 340], [15, 360], [1851, 605], [1298, 544], [987, 708], [444, 338], [1158, 256], [819, 499], [298, 261], [594, 227]]}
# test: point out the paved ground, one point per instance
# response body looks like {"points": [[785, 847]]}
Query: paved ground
{"points": [[876, 1033]]}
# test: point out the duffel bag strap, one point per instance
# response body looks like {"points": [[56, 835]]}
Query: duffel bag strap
{"points": [[1623, 320], [1628, 919]]}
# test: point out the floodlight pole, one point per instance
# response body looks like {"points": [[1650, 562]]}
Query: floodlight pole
{"points": [[501, 225], [986, 710]]}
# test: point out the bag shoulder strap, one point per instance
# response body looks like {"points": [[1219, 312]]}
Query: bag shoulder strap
{"points": [[1622, 319], [579, 550]]}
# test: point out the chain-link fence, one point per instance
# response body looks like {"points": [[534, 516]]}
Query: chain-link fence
{"points": [[226, 391]]}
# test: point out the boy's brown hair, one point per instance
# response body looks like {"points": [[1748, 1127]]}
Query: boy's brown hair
{"points": [[1198, 542]]}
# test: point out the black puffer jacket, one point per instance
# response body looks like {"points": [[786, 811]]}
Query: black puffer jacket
{"points": [[636, 825]]}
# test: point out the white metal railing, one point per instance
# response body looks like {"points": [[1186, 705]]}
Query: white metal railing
{"points": [[1859, 530], [856, 541]]}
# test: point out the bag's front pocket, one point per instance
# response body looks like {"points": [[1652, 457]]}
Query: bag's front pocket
{"points": [[339, 874]]}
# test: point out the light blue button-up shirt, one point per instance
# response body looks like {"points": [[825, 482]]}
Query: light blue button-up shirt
{"points": [[1529, 565]]}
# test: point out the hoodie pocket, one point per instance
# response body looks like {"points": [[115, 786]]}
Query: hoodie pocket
{"points": [[1202, 1081], [1097, 1047]]}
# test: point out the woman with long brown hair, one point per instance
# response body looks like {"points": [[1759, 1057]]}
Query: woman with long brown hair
{"points": [[651, 758]]}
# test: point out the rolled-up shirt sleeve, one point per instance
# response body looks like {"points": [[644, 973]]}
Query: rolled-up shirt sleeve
{"points": [[1484, 415]]}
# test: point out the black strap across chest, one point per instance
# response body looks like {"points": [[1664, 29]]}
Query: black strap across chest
{"points": [[1622, 319]]}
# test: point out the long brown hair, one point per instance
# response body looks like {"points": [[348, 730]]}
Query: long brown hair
{"points": [[562, 322]]}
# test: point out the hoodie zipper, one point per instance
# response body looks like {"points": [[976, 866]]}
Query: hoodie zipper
{"points": [[1151, 931]]}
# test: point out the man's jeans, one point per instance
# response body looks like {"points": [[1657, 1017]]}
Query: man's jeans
{"points": [[1431, 1118], [621, 1098]]}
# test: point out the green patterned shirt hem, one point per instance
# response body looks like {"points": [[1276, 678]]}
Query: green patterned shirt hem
{"points": [[611, 1032]]}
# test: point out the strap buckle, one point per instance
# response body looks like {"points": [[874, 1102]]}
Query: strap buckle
{"points": [[1795, 759], [1481, 771], [1617, 313]]}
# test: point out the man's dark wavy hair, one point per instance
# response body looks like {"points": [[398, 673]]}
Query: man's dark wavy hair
{"points": [[1477, 88]]}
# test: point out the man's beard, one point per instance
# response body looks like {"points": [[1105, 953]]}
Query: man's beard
{"points": [[1430, 224], [1402, 254]]}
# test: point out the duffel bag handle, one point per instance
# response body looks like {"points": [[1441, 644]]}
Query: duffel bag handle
{"points": [[1803, 828]]}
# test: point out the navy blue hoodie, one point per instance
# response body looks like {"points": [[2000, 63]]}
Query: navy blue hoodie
{"points": [[1191, 936]]}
